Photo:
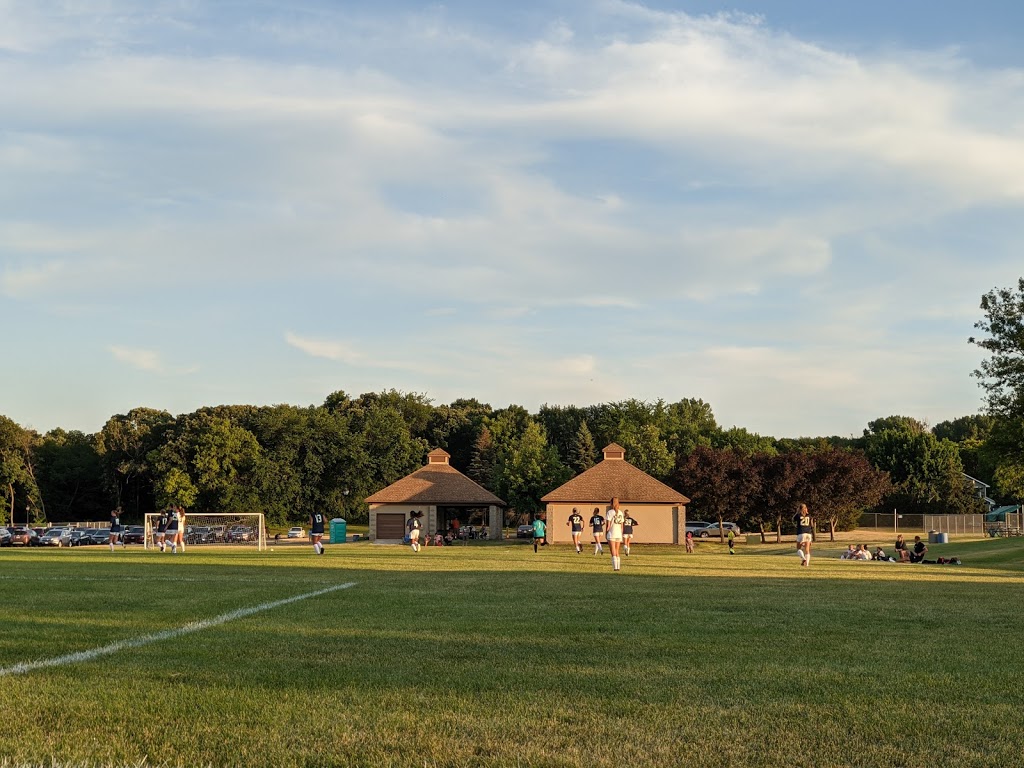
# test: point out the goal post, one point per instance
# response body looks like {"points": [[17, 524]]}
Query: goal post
{"points": [[231, 529]]}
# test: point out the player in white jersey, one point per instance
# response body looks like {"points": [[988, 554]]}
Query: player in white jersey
{"points": [[615, 520]]}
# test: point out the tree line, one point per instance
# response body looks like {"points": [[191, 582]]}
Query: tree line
{"points": [[287, 461]]}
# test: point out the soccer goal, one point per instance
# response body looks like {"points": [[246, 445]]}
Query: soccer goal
{"points": [[234, 529]]}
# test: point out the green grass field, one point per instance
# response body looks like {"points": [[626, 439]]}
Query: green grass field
{"points": [[490, 655]]}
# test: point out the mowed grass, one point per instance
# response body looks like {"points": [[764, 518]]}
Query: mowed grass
{"points": [[492, 656]]}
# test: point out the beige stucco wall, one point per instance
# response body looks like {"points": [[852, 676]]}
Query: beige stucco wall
{"points": [[656, 523]]}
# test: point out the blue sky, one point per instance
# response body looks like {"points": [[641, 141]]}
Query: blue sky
{"points": [[788, 209]]}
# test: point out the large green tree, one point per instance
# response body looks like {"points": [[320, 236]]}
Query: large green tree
{"points": [[721, 484], [17, 474], [1001, 375], [124, 445], [70, 472]]}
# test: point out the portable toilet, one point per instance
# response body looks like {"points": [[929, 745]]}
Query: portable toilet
{"points": [[339, 530]]}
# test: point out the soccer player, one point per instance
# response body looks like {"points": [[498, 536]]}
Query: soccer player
{"points": [[804, 534], [160, 536], [174, 527], [115, 527], [627, 531], [316, 531], [597, 529], [414, 527], [539, 532], [731, 536], [616, 520], [575, 521]]}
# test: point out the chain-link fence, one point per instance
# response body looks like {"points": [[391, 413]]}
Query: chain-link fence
{"points": [[975, 525]]}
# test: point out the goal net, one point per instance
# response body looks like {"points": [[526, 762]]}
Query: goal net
{"points": [[232, 529]]}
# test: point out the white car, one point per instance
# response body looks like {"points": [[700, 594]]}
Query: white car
{"points": [[296, 533]]}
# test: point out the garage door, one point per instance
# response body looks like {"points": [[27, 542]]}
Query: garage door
{"points": [[391, 525]]}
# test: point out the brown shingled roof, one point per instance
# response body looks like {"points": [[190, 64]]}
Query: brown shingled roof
{"points": [[616, 477], [436, 483]]}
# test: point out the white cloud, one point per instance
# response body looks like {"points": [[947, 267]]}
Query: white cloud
{"points": [[325, 348], [148, 360]]}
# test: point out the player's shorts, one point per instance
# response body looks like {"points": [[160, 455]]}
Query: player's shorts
{"points": [[114, 534], [160, 533], [172, 532], [576, 529], [627, 534], [598, 534], [414, 534], [802, 538], [615, 536]]}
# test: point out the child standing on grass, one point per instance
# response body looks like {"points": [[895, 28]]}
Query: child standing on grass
{"points": [[115, 527], [575, 521], [414, 527], [627, 532], [616, 519], [161, 529], [689, 542], [316, 531], [539, 531], [597, 529], [804, 534], [172, 529], [732, 541]]}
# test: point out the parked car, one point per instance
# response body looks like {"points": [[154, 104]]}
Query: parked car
{"points": [[134, 534], [694, 526], [201, 534], [524, 532], [98, 535], [5, 537], [239, 533], [24, 537], [80, 538], [296, 533], [55, 537], [712, 529]]}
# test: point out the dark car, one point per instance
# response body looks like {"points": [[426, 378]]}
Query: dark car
{"points": [[5, 537], [134, 534], [98, 535], [524, 532], [201, 534], [80, 538], [24, 537]]}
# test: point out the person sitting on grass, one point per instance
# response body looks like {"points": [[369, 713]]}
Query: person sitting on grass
{"points": [[917, 556], [880, 554], [850, 553]]}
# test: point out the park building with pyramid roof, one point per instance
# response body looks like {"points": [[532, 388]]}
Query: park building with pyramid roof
{"points": [[444, 497], [659, 510]]}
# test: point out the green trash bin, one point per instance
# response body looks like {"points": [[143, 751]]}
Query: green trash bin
{"points": [[339, 530]]}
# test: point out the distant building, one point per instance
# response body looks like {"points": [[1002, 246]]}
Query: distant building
{"points": [[660, 511], [980, 490], [442, 494]]}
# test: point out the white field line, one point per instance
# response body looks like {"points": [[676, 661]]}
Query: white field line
{"points": [[167, 634]]}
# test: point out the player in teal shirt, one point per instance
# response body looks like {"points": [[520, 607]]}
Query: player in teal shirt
{"points": [[538, 533]]}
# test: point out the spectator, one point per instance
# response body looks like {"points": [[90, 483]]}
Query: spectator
{"points": [[863, 553], [901, 549], [850, 553], [920, 549]]}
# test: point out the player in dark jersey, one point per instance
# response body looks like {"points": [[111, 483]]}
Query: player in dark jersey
{"points": [[160, 535], [627, 531], [175, 526], [804, 533], [597, 529], [575, 522], [414, 526], [316, 531], [115, 527]]}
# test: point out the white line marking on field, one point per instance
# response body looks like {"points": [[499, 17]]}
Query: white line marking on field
{"points": [[167, 634]]}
